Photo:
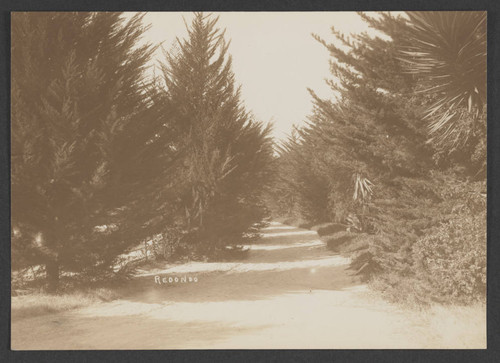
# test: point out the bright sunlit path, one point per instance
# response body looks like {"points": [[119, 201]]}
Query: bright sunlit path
{"points": [[240, 305], [265, 247], [291, 233]]}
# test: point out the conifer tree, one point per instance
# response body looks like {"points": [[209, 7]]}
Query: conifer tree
{"points": [[298, 189], [383, 178], [85, 169], [226, 152], [368, 146]]}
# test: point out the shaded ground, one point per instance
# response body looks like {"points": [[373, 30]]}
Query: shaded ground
{"points": [[290, 293]]}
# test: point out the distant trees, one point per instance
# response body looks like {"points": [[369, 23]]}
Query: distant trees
{"points": [[368, 158], [300, 187], [85, 176], [226, 153]]}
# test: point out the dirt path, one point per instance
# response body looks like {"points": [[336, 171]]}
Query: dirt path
{"points": [[290, 293]]}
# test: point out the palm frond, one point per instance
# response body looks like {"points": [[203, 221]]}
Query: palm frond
{"points": [[362, 188], [448, 50]]}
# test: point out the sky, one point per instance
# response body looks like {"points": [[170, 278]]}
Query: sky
{"points": [[275, 58]]}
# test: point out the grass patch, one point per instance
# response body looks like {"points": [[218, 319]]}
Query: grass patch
{"points": [[38, 303]]}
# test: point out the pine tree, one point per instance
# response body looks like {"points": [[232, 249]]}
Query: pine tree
{"points": [[85, 169], [226, 152]]}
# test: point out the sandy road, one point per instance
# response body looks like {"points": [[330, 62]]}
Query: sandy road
{"points": [[290, 293]]}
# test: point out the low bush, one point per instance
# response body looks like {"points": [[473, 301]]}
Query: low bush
{"points": [[358, 242], [452, 260], [305, 225], [329, 228], [337, 240]]}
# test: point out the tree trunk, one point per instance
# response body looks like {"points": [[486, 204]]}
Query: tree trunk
{"points": [[52, 271]]}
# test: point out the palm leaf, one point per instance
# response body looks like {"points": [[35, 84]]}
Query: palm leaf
{"points": [[362, 188], [448, 50]]}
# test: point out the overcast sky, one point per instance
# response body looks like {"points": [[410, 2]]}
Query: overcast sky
{"points": [[275, 58]]}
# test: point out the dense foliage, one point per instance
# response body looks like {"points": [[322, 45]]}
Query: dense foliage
{"points": [[366, 160], [226, 153], [103, 159], [82, 176], [448, 51]]}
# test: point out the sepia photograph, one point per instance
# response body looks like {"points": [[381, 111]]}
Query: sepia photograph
{"points": [[248, 180]]}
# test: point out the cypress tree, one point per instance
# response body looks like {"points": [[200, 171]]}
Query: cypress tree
{"points": [[85, 172], [383, 178], [226, 152], [367, 147]]}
